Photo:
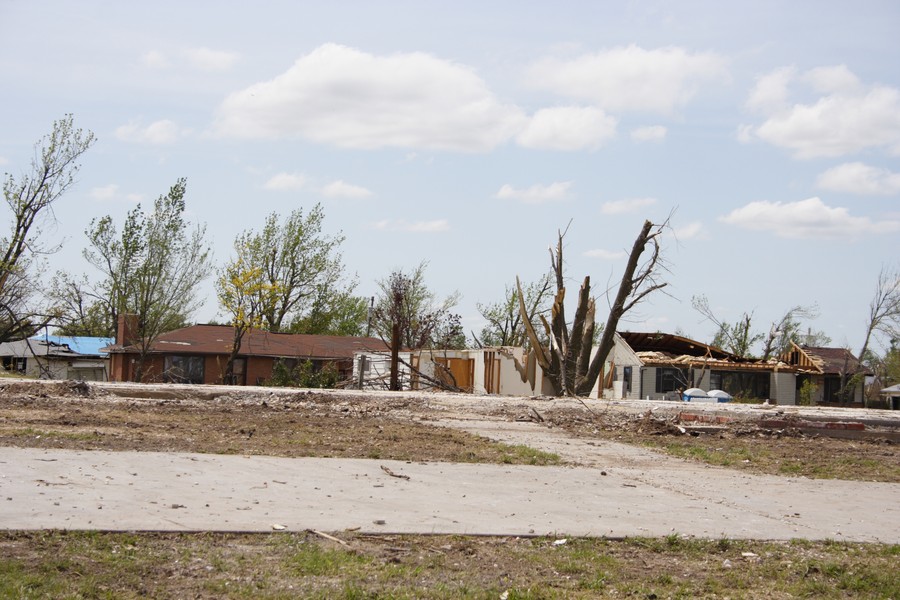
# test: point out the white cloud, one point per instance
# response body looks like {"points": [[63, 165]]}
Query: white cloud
{"points": [[860, 179], [110, 192], [156, 133], [568, 128], [690, 231], [104, 193], [848, 119], [341, 96], [435, 226], [341, 189], [771, 91], [806, 219], [536, 194], [285, 182], [154, 59], [4, 160], [619, 207], [206, 59], [605, 254], [649, 133], [830, 80], [631, 78]]}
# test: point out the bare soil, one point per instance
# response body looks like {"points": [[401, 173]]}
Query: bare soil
{"points": [[403, 427]]}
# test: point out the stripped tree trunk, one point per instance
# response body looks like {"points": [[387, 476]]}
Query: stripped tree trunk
{"points": [[566, 361]]}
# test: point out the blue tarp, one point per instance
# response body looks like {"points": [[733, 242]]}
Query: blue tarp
{"points": [[81, 345]]}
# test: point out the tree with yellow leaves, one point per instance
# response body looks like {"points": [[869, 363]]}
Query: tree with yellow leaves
{"points": [[243, 291]]}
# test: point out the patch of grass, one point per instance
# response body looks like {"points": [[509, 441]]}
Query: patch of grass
{"points": [[287, 565], [529, 456]]}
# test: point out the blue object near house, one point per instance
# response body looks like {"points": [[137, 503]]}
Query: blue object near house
{"points": [[89, 346]]}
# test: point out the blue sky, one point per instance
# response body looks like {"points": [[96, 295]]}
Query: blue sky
{"points": [[467, 133]]}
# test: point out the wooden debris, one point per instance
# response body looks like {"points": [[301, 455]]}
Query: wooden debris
{"points": [[328, 537], [392, 474]]}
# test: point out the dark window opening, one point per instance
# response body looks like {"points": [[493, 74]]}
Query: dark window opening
{"points": [[832, 389], [183, 369], [741, 384], [17, 364], [669, 379], [626, 378]]}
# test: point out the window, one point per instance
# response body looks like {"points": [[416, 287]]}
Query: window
{"points": [[669, 379], [15, 363], [832, 391], [183, 369], [741, 384], [626, 378]]}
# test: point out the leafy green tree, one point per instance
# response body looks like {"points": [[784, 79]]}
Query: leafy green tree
{"points": [[506, 326], [242, 290], [333, 312], [30, 199], [300, 262], [151, 269]]}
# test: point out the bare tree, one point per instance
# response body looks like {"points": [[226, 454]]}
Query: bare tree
{"points": [[884, 309], [739, 337], [506, 326], [410, 315], [30, 199], [566, 360]]}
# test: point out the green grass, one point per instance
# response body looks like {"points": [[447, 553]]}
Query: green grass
{"points": [[56, 564], [527, 455]]}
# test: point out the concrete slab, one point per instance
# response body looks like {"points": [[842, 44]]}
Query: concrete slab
{"points": [[64, 489]]}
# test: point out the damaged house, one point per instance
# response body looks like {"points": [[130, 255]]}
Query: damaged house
{"points": [[56, 357], [199, 354], [660, 366], [827, 370]]}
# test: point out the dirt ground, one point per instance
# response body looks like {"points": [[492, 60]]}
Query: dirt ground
{"points": [[401, 427], [405, 427]]}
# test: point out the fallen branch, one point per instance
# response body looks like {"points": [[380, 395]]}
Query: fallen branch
{"points": [[328, 537], [392, 474]]}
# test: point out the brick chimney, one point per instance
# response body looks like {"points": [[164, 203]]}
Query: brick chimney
{"points": [[126, 332]]}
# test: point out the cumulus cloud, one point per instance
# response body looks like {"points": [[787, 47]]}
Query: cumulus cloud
{"points": [[434, 226], [156, 133], [830, 80], [285, 182], [341, 189], [806, 219], [848, 118], [770, 93], [207, 59], [605, 254], [628, 205], [536, 194], [631, 78], [568, 128], [649, 133], [860, 179], [348, 98]]}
